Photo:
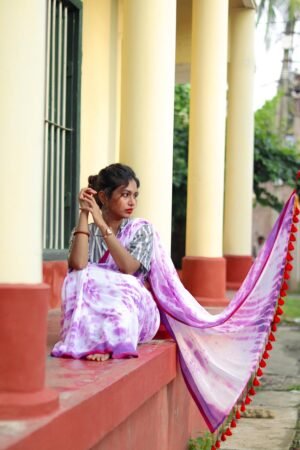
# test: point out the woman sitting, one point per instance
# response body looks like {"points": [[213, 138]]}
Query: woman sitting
{"points": [[106, 308]]}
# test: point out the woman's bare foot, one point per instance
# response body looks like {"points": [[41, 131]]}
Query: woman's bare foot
{"points": [[98, 357]]}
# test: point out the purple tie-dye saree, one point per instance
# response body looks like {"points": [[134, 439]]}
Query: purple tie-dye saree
{"points": [[218, 353]]}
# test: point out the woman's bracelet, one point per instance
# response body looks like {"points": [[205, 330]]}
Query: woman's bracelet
{"points": [[81, 232]]}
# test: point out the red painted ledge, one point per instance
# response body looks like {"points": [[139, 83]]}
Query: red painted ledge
{"points": [[94, 399], [140, 402]]}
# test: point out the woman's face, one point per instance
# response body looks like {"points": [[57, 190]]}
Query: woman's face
{"points": [[123, 201]]}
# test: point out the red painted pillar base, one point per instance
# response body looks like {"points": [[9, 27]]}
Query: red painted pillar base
{"points": [[237, 268], [205, 278], [23, 333]]}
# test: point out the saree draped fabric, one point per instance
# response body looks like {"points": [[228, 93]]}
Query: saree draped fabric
{"points": [[219, 354]]}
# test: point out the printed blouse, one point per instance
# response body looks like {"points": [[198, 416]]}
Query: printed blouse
{"points": [[140, 246]]}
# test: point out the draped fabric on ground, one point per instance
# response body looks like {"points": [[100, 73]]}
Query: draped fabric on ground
{"points": [[219, 353]]}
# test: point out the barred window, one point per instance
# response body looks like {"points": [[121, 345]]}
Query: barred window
{"points": [[62, 107]]}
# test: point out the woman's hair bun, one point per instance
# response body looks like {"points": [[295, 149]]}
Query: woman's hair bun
{"points": [[92, 180], [111, 177]]}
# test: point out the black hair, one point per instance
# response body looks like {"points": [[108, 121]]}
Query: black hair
{"points": [[112, 177]]}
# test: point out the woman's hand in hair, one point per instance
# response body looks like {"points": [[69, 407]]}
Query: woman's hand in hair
{"points": [[84, 198], [92, 207]]}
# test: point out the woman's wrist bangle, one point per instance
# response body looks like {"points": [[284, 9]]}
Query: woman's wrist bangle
{"points": [[82, 232]]}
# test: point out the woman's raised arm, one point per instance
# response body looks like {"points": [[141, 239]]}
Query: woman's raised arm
{"points": [[78, 256]]}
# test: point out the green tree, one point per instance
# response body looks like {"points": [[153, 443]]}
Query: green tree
{"points": [[275, 159], [180, 155]]}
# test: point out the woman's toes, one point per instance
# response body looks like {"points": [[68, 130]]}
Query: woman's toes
{"points": [[98, 357]]}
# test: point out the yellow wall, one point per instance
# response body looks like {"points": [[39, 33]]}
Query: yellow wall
{"points": [[99, 90]]}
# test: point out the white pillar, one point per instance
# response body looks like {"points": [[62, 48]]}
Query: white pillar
{"points": [[207, 129], [203, 267], [148, 73], [240, 135], [22, 93], [22, 294]]}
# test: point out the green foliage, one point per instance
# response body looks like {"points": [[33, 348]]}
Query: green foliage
{"points": [[202, 442], [181, 136], [269, 7], [291, 308], [275, 159], [294, 387], [180, 155]]}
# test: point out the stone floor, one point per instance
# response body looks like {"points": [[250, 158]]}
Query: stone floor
{"points": [[272, 421]]}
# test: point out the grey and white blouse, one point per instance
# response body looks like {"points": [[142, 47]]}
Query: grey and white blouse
{"points": [[140, 247]]}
